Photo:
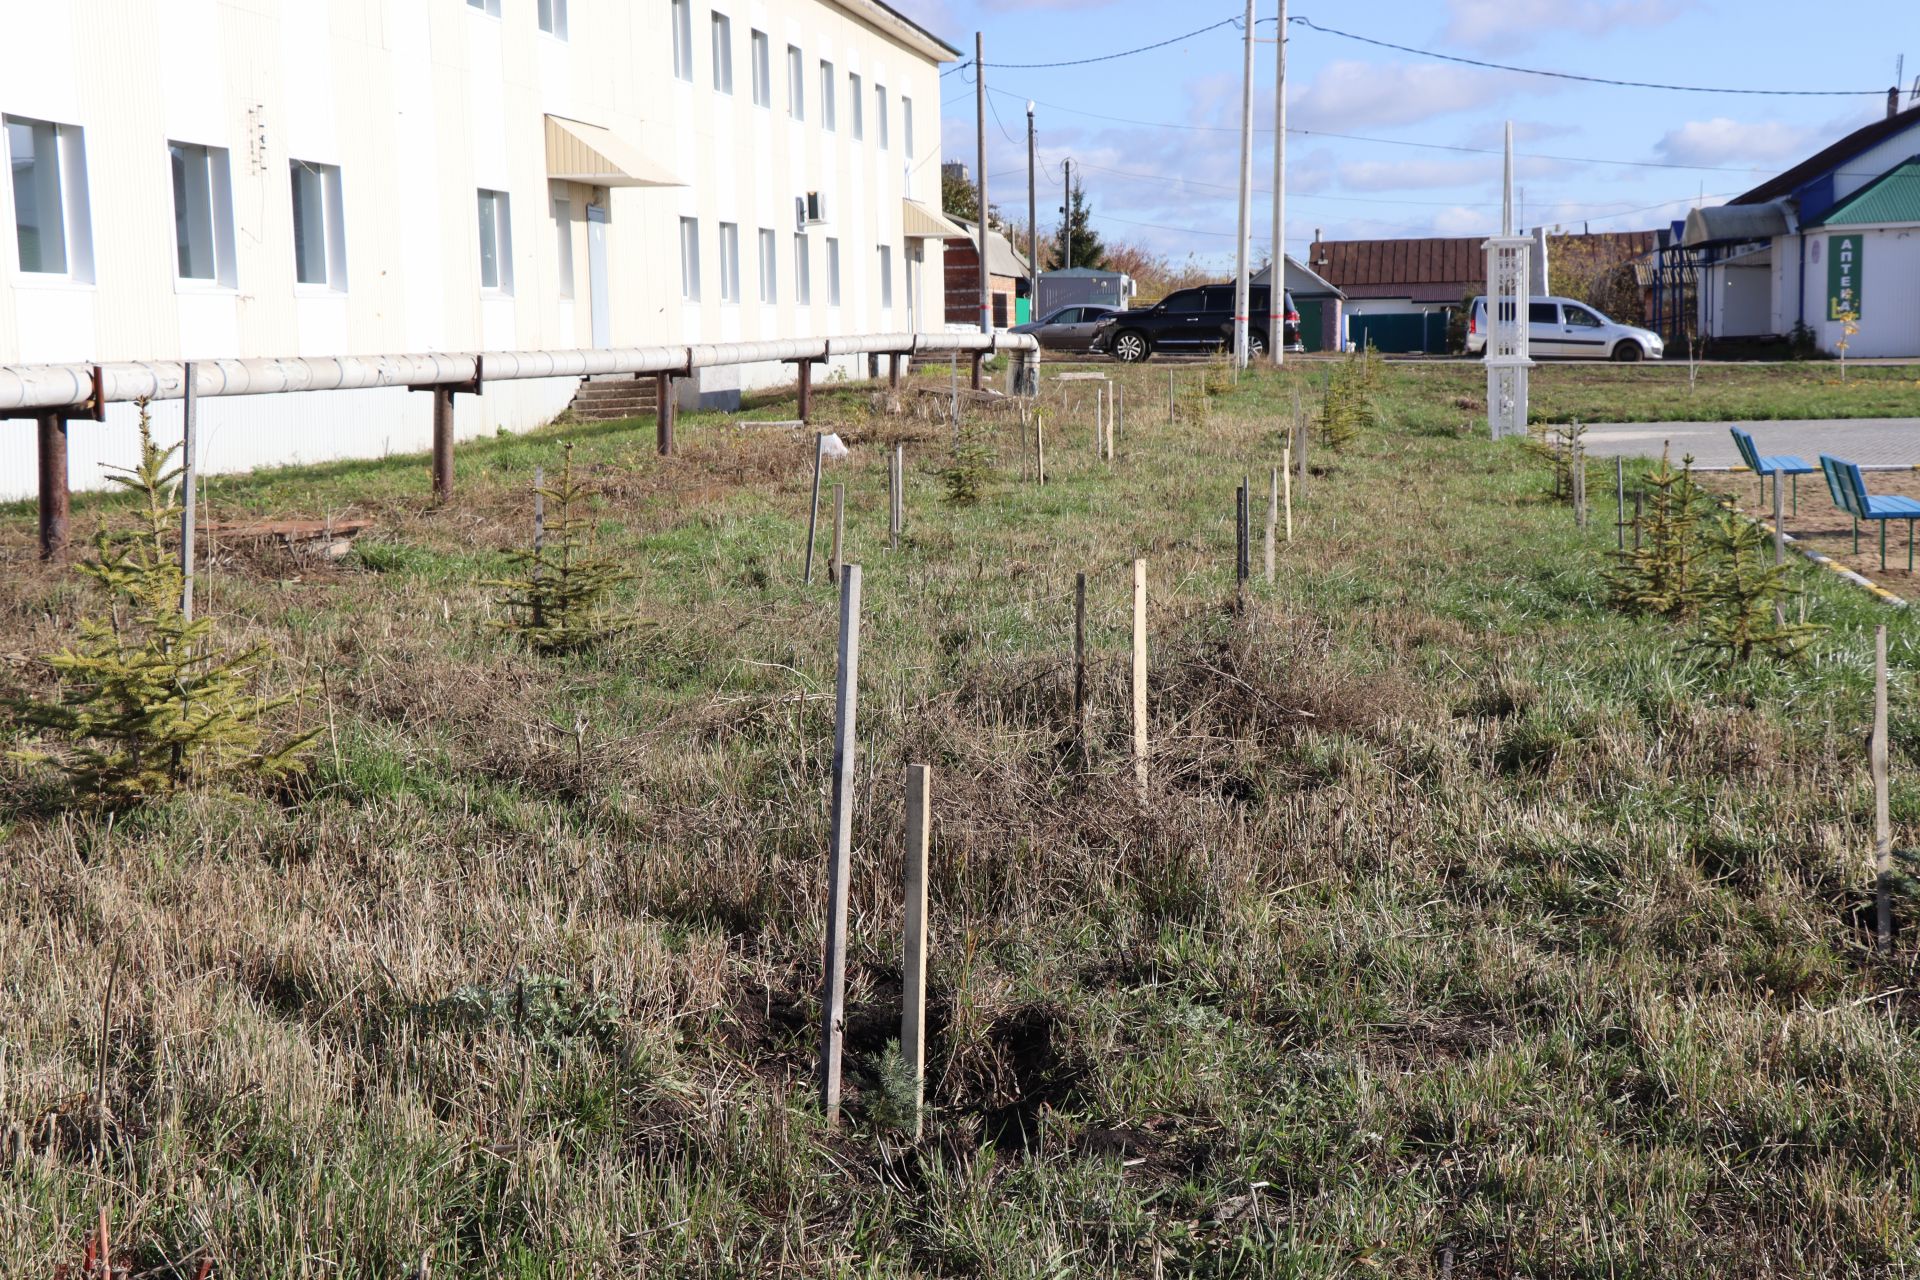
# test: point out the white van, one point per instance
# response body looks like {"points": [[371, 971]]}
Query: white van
{"points": [[1561, 328]]}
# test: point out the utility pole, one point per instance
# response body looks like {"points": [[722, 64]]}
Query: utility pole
{"points": [[1066, 215], [1033, 227], [1277, 287], [1241, 289], [980, 125]]}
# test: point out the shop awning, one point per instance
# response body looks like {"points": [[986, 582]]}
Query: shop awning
{"points": [[586, 153], [922, 223]]}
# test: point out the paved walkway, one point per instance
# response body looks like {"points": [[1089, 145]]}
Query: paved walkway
{"points": [[1876, 440]]}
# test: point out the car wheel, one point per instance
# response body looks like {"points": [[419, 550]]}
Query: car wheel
{"points": [[1627, 352], [1256, 343], [1131, 346]]}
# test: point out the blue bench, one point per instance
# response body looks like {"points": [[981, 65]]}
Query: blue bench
{"points": [[1775, 465], [1848, 488]]}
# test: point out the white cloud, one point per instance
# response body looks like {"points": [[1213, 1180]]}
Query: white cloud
{"points": [[1515, 24], [1722, 140], [1353, 96]]}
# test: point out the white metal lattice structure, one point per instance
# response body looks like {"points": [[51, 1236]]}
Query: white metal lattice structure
{"points": [[1507, 361]]}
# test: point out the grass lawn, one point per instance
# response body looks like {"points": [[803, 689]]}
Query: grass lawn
{"points": [[1467, 928]]}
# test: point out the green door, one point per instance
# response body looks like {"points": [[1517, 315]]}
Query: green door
{"points": [[1389, 334], [1311, 315]]}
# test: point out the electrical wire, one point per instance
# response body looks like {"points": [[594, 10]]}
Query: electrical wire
{"points": [[1569, 75], [1233, 21]]}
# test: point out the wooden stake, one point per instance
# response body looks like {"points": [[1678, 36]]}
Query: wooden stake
{"points": [[1882, 826], [839, 530], [1040, 448], [1273, 516], [189, 467], [1300, 431], [1286, 488], [813, 512], [1119, 413], [1080, 652], [1620, 503], [1639, 501], [1140, 675], [1779, 556], [539, 537], [846, 696], [913, 1010], [899, 493], [1241, 537], [1169, 397]]}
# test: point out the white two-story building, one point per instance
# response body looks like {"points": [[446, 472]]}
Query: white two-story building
{"points": [[218, 178]]}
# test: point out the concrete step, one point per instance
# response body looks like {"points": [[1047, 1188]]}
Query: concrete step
{"points": [[613, 398]]}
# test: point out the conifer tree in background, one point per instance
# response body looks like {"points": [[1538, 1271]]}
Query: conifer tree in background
{"points": [[1739, 594], [148, 700], [556, 601], [1086, 246], [1664, 574]]}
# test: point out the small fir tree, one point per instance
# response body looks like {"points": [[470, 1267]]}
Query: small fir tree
{"points": [[1743, 597], [969, 469], [1664, 574], [557, 600], [148, 700]]}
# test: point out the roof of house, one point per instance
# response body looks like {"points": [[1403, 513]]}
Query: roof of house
{"points": [[1894, 196], [1302, 281], [1438, 268], [1830, 158], [1002, 258], [886, 18]]}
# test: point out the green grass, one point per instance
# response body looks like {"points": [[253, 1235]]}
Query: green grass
{"points": [[1469, 927]]}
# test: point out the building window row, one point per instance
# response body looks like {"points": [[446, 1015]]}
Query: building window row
{"points": [[729, 259], [760, 52], [550, 14]]}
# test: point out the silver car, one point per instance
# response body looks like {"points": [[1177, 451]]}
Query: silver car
{"points": [[1566, 329], [1066, 328]]}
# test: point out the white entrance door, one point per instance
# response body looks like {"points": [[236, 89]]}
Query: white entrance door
{"points": [[597, 274]]}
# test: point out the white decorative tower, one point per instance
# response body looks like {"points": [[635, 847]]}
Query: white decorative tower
{"points": [[1507, 361]]}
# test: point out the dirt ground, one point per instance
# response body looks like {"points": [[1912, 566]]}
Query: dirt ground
{"points": [[1828, 529]]}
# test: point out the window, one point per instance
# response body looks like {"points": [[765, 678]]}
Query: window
{"points": [[683, 39], [769, 269], [729, 262], [886, 275], [690, 259], [489, 7], [496, 242], [880, 114], [563, 233], [762, 72], [1185, 301], [553, 17], [202, 212], [1543, 313], [999, 310], [802, 271], [722, 53], [906, 124], [833, 272], [826, 95], [859, 109], [1581, 318], [796, 87], [50, 223], [319, 241]]}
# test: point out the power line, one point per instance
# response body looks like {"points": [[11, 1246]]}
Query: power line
{"points": [[1405, 142], [1105, 57], [1568, 75], [1266, 191]]}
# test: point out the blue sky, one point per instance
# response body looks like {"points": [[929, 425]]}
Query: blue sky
{"points": [[1171, 189]]}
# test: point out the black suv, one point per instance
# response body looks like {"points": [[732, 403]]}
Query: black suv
{"points": [[1191, 320]]}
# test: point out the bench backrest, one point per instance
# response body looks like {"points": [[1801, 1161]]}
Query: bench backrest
{"points": [[1850, 471], [1839, 486], [1748, 454]]}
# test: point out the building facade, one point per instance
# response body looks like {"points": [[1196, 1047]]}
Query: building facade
{"points": [[1829, 245], [217, 178]]}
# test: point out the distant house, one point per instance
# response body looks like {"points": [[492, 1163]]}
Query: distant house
{"points": [[1401, 293], [1006, 272], [1319, 303], [1839, 232]]}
